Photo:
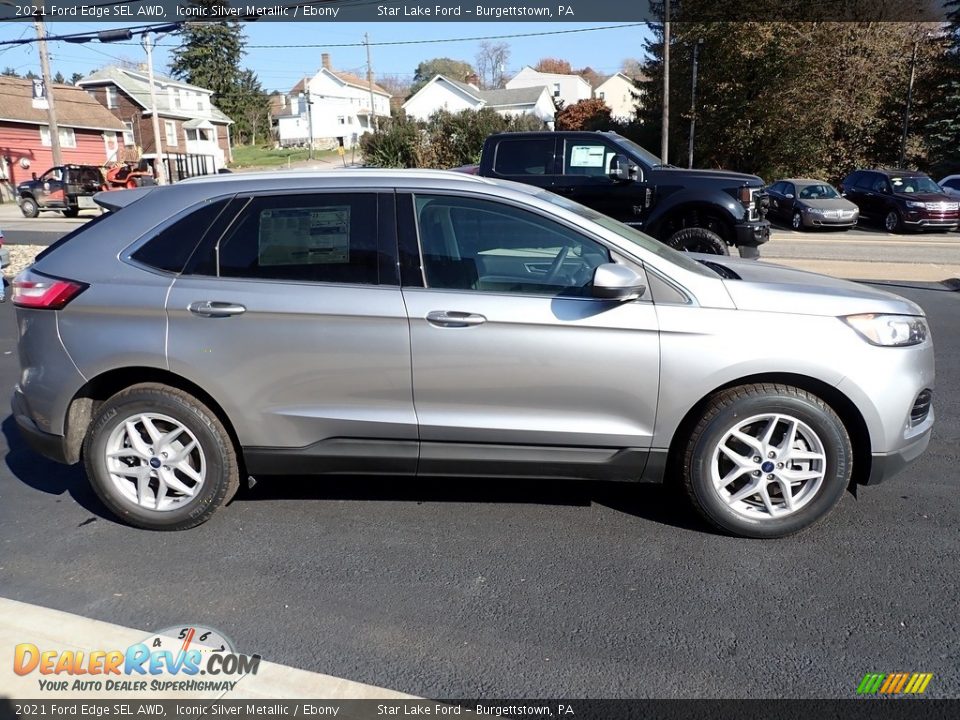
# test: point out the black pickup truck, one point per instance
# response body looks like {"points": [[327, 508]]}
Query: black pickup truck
{"points": [[67, 188], [694, 210]]}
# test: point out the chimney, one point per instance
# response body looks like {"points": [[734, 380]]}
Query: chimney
{"points": [[325, 60], [473, 81]]}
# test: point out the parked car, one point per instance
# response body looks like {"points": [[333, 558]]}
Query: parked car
{"points": [[951, 185], [901, 200], [67, 188], [706, 211], [438, 324], [805, 203]]}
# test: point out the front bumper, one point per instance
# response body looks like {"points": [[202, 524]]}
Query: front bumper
{"points": [[883, 466], [752, 234], [50, 446], [921, 219], [821, 221]]}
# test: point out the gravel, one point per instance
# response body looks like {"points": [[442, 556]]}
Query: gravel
{"points": [[20, 257]]}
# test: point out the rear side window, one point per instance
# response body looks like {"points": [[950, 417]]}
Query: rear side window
{"points": [[866, 181], [316, 238], [170, 249], [524, 157]]}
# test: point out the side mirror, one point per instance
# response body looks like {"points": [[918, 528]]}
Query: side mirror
{"points": [[33, 175], [617, 282], [621, 169], [789, 196]]}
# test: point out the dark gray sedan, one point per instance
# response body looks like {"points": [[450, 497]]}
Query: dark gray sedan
{"points": [[811, 203]]}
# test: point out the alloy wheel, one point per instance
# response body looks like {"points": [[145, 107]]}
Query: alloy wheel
{"points": [[891, 221], [155, 461], [797, 221], [768, 466]]}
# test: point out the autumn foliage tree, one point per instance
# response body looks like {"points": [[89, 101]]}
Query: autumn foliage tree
{"points": [[590, 114]]}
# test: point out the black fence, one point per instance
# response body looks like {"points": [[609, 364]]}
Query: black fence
{"points": [[180, 166]]}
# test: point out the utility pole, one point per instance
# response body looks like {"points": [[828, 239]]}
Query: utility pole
{"points": [[48, 90], [906, 111], [161, 172], [693, 100], [665, 123], [309, 103], [373, 113]]}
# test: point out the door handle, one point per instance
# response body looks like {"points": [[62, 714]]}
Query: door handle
{"points": [[454, 319], [211, 308]]}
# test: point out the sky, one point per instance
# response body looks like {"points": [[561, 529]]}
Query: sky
{"points": [[281, 68]]}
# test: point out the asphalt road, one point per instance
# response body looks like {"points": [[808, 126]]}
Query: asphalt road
{"points": [[468, 588]]}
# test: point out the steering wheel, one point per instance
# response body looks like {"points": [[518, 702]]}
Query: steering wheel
{"points": [[554, 270]]}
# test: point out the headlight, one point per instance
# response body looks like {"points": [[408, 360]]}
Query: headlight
{"points": [[889, 330], [915, 205]]}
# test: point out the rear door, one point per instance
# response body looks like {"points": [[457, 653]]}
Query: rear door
{"points": [[295, 320], [516, 367], [529, 160]]}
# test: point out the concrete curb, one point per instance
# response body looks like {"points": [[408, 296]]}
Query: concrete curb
{"points": [[55, 630]]}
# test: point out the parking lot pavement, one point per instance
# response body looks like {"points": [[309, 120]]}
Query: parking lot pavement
{"points": [[463, 588]]}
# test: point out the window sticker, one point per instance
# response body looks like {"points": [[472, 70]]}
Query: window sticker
{"points": [[305, 236], [587, 156]]}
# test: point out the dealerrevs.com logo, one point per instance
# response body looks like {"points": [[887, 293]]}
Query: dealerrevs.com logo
{"points": [[180, 659]]}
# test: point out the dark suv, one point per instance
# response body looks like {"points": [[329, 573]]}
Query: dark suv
{"points": [[901, 200]]}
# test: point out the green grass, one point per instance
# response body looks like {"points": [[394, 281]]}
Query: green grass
{"points": [[246, 156]]}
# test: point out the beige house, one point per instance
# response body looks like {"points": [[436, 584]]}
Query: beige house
{"points": [[619, 92]]}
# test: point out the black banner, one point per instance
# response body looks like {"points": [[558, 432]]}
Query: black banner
{"points": [[170, 11], [860, 709]]}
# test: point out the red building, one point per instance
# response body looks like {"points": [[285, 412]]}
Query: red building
{"points": [[89, 133]]}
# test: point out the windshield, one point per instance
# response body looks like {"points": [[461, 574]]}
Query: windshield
{"points": [[628, 233], [818, 192], [647, 157], [916, 184]]}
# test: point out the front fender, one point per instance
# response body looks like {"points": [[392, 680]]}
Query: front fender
{"points": [[715, 201]]}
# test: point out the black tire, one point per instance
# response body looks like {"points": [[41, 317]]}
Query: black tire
{"points": [[796, 221], [893, 221], [696, 239], [222, 477], [29, 207], [723, 412], [70, 212]]}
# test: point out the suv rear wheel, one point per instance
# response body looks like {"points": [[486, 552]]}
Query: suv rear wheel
{"points": [[697, 239], [159, 458], [766, 460]]}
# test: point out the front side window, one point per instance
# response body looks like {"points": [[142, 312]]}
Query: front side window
{"points": [[312, 238], [587, 157], [482, 245]]}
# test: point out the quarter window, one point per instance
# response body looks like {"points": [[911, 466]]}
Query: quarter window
{"points": [[170, 249], [315, 238], [481, 245]]}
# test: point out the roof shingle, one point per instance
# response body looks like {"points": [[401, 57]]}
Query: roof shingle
{"points": [[75, 108]]}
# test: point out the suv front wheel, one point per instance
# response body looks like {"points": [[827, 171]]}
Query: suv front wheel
{"points": [[159, 458], [766, 460]]}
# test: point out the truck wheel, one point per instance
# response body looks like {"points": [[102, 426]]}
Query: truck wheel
{"points": [[70, 212], [29, 207], [699, 240]]}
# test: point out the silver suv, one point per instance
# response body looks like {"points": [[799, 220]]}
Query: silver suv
{"points": [[437, 324]]}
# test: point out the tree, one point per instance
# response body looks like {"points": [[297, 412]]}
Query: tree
{"points": [[458, 70], [10, 72], [590, 75], [585, 115], [553, 65], [395, 85], [255, 108], [209, 55], [492, 59], [58, 78], [31, 75], [75, 78], [632, 68]]}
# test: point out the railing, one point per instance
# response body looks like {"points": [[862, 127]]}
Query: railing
{"points": [[181, 166]]}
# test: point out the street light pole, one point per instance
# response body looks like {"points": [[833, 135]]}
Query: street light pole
{"points": [[665, 122], [373, 112], [906, 111], [159, 169], [693, 100]]}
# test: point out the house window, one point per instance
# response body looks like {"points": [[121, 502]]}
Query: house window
{"points": [[128, 134], [67, 137], [191, 135], [601, 95], [556, 89], [342, 120], [170, 128], [177, 100], [111, 97]]}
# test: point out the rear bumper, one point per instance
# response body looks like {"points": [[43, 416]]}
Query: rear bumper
{"points": [[752, 234], [50, 446]]}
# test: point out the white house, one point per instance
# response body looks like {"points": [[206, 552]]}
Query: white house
{"points": [[336, 104], [619, 93], [442, 93], [570, 89]]}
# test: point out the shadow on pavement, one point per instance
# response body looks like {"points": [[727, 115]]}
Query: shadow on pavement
{"points": [[37, 472], [663, 504]]}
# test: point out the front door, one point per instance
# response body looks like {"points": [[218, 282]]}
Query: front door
{"points": [[516, 367], [296, 320]]}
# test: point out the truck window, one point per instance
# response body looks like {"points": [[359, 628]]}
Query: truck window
{"points": [[587, 157], [524, 157]]}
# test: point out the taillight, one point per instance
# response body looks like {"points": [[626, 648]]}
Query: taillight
{"points": [[41, 292]]}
